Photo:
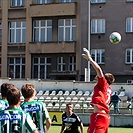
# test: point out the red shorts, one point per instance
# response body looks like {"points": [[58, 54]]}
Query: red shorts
{"points": [[99, 123]]}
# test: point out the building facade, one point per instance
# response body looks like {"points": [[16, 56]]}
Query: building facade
{"points": [[43, 39]]}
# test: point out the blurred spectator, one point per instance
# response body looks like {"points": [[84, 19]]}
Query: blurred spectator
{"points": [[130, 106], [121, 89], [115, 101]]}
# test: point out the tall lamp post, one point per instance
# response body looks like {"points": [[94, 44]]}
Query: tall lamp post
{"points": [[87, 70], [89, 38]]}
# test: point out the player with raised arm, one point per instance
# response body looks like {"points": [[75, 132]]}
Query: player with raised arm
{"points": [[36, 109], [100, 119], [13, 119]]}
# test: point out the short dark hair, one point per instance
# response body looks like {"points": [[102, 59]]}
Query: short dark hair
{"points": [[27, 90], [13, 96], [69, 104], [110, 78], [4, 88]]}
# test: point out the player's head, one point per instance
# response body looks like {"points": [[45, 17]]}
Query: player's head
{"points": [[110, 78], [69, 107], [4, 88], [116, 92], [13, 96], [28, 90]]}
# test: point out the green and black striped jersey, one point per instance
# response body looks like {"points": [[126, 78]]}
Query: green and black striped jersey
{"points": [[3, 104], [38, 112], [15, 121]]}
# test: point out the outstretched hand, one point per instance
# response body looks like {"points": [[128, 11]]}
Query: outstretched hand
{"points": [[86, 55]]}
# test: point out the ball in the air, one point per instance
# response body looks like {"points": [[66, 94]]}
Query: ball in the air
{"points": [[115, 37]]}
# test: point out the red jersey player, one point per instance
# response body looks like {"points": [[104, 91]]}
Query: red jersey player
{"points": [[100, 119]]}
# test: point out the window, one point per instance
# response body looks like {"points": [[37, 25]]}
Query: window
{"points": [[129, 0], [41, 67], [129, 56], [129, 24], [66, 63], [16, 68], [97, 26], [98, 1], [17, 2], [98, 55], [17, 32], [61, 64], [42, 30], [72, 63], [0, 33], [67, 1], [67, 30], [43, 1]]}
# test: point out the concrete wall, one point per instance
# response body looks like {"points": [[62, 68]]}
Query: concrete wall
{"points": [[68, 85], [116, 120]]}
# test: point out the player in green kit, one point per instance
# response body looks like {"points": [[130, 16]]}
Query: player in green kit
{"points": [[3, 102], [13, 119], [36, 109]]}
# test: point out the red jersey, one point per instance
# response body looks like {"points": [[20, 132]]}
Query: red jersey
{"points": [[102, 94]]}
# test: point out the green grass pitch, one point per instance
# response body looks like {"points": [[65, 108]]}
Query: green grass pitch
{"points": [[56, 129]]}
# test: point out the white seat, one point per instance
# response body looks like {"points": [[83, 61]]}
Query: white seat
{"points": [[122, 93], [68, 99], [53, 93], [74, 99], [46, 93], [81, 99], [73, 93], [60, 93], [63, 106], [85, 106], [41, 98], [61, 99], [87, 93], [91, 93], [55, 99], [66, 93], [50, 105], [80, 93], [40, 92], [88, 100], [77, 106], [48, 99], [57, 105]]}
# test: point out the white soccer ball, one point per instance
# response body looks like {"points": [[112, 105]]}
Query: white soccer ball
{"points": [[115, 37]]}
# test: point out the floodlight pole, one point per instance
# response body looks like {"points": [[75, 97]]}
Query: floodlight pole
{"points": [[89, 38]]}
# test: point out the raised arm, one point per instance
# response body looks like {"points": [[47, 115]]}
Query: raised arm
{"points": [[97, 68]]}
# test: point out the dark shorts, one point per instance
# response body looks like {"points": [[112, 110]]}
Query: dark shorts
{"points": [[72, 131]]}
